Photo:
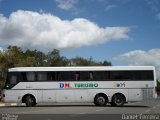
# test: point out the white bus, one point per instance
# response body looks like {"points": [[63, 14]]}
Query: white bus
{"points": [[99, 85]]}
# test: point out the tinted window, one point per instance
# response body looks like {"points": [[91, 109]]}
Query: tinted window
{"points": [[26, 76], [67, 76], [12, 80], [120, 75], [51, 76], [148, 75], [136, 75], [100, 75], [31, 76], [142, 75], [91, 75], [77, 76], [41, 76], [84, 75]]}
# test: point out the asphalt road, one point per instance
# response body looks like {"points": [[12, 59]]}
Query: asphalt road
{"points": [[80, 111]]}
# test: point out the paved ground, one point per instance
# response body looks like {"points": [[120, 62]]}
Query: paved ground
{"points": [[79, 111]]}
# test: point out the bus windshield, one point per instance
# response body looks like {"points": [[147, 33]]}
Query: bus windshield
{"points": [[11, 80]]}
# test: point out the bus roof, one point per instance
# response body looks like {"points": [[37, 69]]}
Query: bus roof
{"points": [[83, 68]]}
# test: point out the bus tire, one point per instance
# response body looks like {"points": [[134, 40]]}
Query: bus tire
{"points": [[30, 101], [100, 100], [118, 100]]}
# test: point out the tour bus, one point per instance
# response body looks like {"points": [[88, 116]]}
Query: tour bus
{"points": [[100, 85]]}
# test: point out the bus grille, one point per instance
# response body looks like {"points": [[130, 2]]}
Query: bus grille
{"points": [[147, 94]]}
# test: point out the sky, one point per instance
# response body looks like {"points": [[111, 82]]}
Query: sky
{"points": [[124, 32]]}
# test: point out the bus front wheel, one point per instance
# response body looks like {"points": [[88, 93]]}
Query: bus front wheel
{"points": [[30, 101]]}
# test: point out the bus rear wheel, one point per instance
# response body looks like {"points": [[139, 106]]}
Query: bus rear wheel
{"points": [[100, 100], [118, 100], [30, 101]]}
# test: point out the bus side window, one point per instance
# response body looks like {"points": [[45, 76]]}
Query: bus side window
{"points": [[51, 76], [30, 76], [59, 77], [84, 75], [91, 75], [13, 79], [41, 76], [77, 76], [23, 76]]}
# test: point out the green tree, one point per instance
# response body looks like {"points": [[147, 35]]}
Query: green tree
{"points": [[80, 61], [35, 58], [15, 55], [54, 59], [106, 63]]}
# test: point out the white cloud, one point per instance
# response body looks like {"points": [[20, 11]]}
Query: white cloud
{"points": [[44, 32], [158, 16], [139, 57], [154, 4], [110, 7], [66, 4]]}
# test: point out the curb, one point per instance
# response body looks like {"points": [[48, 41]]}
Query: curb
{"points": [[10, 104]]}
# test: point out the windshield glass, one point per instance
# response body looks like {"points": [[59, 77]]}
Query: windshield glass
{"points": [[11, 80]]}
